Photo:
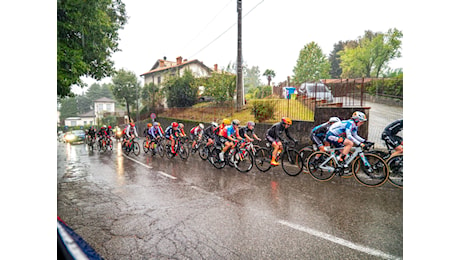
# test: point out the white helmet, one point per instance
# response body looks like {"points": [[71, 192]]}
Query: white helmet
{"points": [[214, 124], [334, 119], [359, 116], [201, 125]]}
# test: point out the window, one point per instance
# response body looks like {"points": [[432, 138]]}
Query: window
{"points": [[84, 122], [73, 123], [100, 107]]}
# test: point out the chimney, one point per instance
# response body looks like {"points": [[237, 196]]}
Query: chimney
{"points": [[179, 60], [162, 63], [215, 67]]}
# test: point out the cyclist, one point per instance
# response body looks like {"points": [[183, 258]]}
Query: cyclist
{"points": [[196, 134], [172, 133], [247, 130], [92, 133], [209, 133], [273, 135], [102, 133], [130, 133], [155, 131], [231, 134], [318, 133], [181, 129], [345, 133], [391, 139], [147, 135]]}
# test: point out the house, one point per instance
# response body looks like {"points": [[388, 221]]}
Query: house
{"points": [[102, 107], [81, 120], [163, 69]]}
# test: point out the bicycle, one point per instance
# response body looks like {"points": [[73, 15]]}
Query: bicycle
{"points": [[395, 166], [90, 142], [305, 153], [149, 145], [238, 157], [102, 144], [179, 147], [133, 147], [368, 168], [291, 160]]}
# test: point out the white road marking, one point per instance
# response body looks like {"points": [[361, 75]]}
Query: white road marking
{"points": [[150, 167], [340, 241], [167, 175]]}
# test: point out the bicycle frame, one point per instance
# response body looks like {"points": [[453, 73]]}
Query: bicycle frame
{"points": [[358, 151]]}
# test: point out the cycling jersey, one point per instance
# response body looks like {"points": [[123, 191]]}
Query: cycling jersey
{"points": [[102, 132], [389, 134], [92, 132], [346, 128], [208, 132], [196, 130], [131, 131], [170, 132], [155, 132], [245, 130], [274, 132], [318, 133], [229, 131]]}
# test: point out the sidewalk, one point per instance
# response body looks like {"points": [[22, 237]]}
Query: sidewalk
{"points": [[379, 117]]}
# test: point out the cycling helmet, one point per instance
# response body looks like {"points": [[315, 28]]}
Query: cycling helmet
{"points": [[104, 126], [110, 127], [250, 123], [156, 124], [286, 120], [226, 121], [174, 124], [236, 122], [201, 125], [214, 124], [334, 119], [149, 125], [181, 125], [359, 117]]}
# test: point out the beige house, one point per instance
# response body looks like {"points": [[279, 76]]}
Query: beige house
{"points": [[102, 107], [163, 69]]}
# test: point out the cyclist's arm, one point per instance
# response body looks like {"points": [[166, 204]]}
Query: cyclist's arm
{"points": [[354, 137]]}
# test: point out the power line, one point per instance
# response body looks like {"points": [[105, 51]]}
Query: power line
{"points": [[206, 26], [225, 31]]}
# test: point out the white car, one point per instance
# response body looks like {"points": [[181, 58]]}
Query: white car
{"points": [[316, 90]]}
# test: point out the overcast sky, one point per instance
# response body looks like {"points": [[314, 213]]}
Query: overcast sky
{"points": [[273, 31]]}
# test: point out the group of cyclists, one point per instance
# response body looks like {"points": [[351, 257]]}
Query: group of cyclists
{"points": [[335, 132]]}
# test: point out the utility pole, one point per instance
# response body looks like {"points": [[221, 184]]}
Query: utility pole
{"points": [[239, 75]]}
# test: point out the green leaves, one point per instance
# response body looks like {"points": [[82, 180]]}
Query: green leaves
{"points": [[312, 64], [87, 36]]}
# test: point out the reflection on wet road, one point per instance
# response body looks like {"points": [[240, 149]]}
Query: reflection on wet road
{"points": [[150, 207]]}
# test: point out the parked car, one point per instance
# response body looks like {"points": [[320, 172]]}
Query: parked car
{"points": [[75, 136], [316, 90]]}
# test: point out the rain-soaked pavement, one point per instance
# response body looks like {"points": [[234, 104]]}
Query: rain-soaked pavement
{"points": [[144, 207]]}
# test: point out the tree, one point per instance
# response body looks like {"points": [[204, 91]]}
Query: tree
{"points": [[151, 96], [220, 86], [251, 77], [125, 88], [372, 55], [181, 91], [68, 108], [87, 36], [269, 74], [312, 64]]}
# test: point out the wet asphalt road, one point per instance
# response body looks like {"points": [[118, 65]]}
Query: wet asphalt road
{"points": [[148, 207]]}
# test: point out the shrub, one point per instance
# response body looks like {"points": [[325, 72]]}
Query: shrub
{"points": [[263, 109]]}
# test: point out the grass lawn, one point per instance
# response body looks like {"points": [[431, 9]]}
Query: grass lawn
{"points": [[208, 112]]}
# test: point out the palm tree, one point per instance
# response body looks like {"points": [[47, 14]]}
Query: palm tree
{"points": [[269, 74]]}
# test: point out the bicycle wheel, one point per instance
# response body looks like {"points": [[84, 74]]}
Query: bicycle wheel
{"points": [[244, 161], [372, 175], [183, 152], [305, 153], [395, 166], [145, 146], [215, 159], [262, 159], [126, 149], [291, 162], [136, 148], [110, 144], [168, 152], [161, 149], [203, 152], [317, 172]]}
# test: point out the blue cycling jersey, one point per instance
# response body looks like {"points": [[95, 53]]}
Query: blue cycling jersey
{"points": [[346, 128]]}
